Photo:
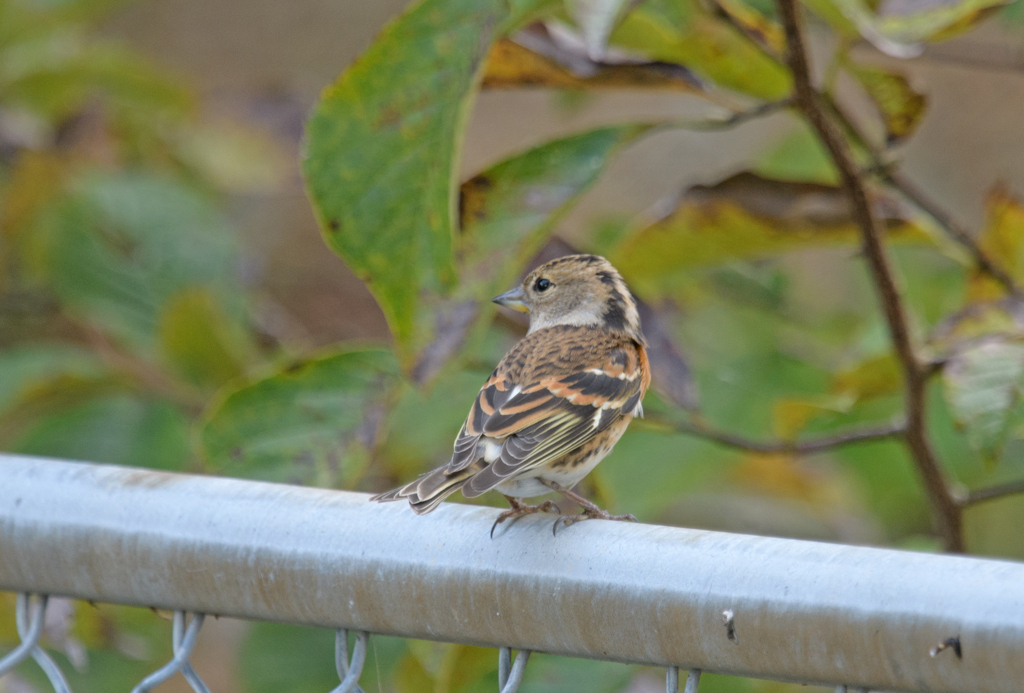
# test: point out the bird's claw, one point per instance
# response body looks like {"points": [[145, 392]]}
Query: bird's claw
{"points": [[590, 514], [522, 510]]}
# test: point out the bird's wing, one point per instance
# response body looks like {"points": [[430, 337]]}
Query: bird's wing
{"points": [[553, 409]]}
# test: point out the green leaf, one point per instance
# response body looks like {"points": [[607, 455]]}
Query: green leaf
{"points": [[550, 674], [123, 244], [708, 46], [902, 109], [313, 422], [508, 211], [56, 73], [24, 367], [279, 658], [983, 385], [799, 157], [114, 429], [51, 397], [383, 146], [747, 217], [506, 215]]}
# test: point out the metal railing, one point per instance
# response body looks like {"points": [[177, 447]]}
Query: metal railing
{"points": [[807, 612]]}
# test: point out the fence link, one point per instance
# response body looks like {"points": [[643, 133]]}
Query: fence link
{"points": [[349, 672], [184, 642], [805, 612]]}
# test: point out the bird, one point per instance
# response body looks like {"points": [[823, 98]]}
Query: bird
{"points": [[558, 401]]}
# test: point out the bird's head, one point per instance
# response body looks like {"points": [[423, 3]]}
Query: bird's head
{"points": [[576, 290]]}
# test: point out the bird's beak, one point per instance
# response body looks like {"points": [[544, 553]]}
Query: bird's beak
{"points": [[512, 299]]}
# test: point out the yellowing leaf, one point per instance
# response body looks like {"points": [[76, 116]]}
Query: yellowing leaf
{"points": [[410, 674], [448, 667], [747, 217], [708, 46], [58, 72], [236, 158], [876, 377], [199, 341], [26, 367], [511, 65], [901, 108], [51, 396], [1002, 317], [755, 25], [784, 476], [777, 474], [1002, 239], [35, 178], [8, 631], [791, 416]]}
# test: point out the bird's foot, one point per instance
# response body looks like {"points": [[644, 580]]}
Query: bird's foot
{"points": [[591, 513], [521, 509], [590, 510]]}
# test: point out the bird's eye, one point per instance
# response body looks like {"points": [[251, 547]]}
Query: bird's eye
{"points": [[542, 284]]}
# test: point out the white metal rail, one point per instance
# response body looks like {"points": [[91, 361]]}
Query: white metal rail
{"points": [[770, 608]]}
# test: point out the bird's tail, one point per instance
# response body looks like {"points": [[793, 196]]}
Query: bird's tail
{"points": [[427, 492]]}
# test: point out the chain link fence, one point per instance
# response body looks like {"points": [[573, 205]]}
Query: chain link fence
{"points": [[855, 618]]}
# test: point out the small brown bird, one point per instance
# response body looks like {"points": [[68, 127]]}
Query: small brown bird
{"points": [[559, 400]]}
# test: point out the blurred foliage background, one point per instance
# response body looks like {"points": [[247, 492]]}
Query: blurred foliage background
{"points": [[166, 300]]}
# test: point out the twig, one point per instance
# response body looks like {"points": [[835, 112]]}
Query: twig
{"points": [[798, 448], [753, 36], [993, 492], [917, 197], [808, 101], [889, 174], [734, 119]]}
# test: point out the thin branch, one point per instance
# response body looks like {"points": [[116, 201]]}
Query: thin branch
{"points": [[808, 101], [734, 119], [918, 198], [1012, 63], [889, 174], [753, 36], [981, 495], [731, 440]]}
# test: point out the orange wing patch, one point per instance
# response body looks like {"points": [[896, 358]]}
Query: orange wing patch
{"points": [[537, 421]]}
